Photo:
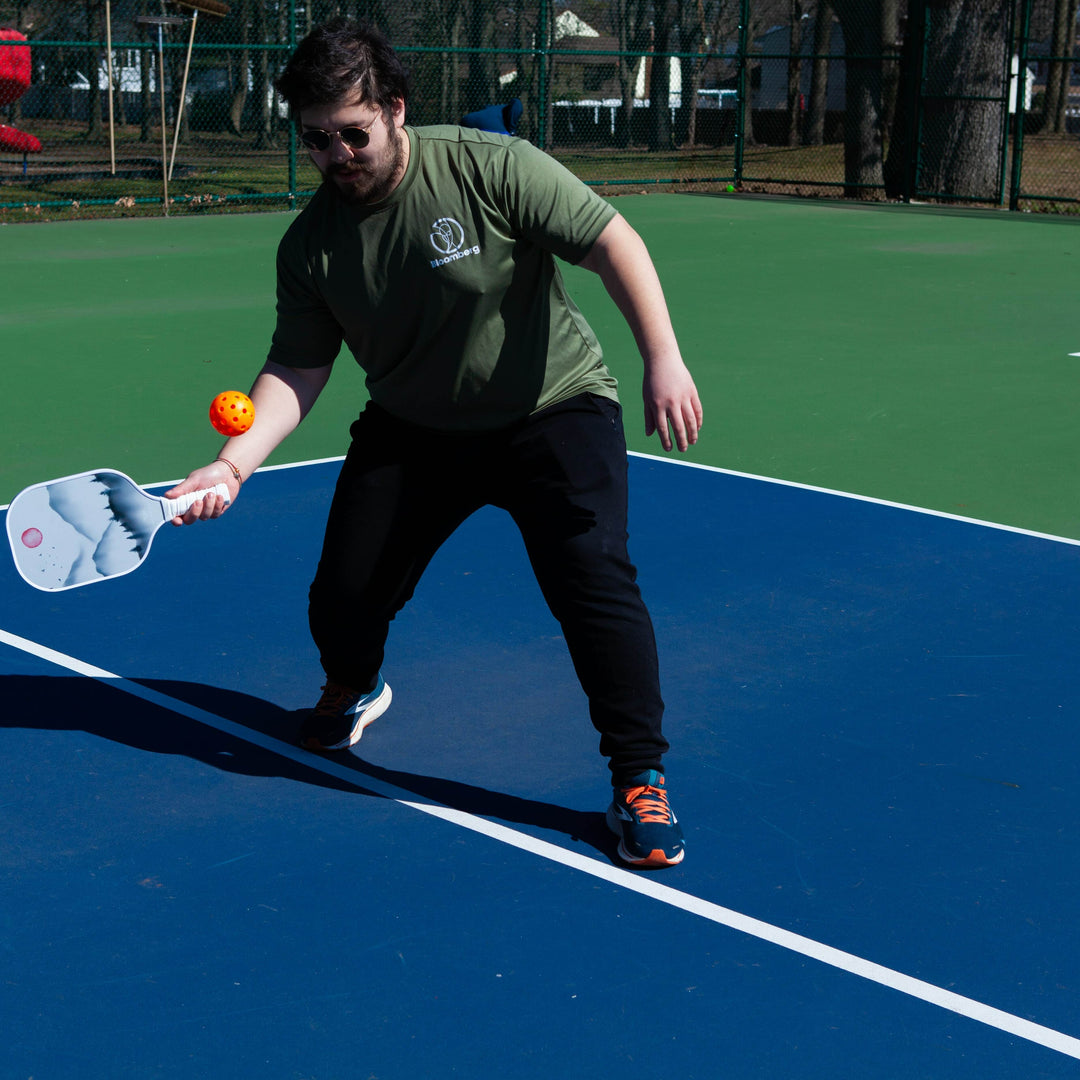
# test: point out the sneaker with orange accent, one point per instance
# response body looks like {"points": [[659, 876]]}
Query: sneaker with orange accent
{"points": [[339, 719], [649, 833]]}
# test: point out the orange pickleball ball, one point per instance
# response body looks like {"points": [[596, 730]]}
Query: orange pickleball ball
{"points": [[232, 413]]}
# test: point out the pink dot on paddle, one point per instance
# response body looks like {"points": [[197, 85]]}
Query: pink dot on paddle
{"points": [[32, 537]]}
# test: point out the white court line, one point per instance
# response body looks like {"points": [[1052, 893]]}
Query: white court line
{"points": [[858, 498], [782, 483], [626, 879], [745, 476]]}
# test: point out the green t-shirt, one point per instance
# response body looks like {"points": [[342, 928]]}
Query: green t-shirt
{"points": [[447, 292]]}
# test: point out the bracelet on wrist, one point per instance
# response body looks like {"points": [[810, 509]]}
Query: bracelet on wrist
{"points": [[235, 471]]}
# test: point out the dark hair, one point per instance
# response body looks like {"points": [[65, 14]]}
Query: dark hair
{"points": [[343, 61]]}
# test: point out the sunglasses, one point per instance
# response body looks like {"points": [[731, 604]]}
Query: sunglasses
{"points": [[355, 138]]}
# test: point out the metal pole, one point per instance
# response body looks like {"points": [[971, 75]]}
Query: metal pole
{"points": [[1006, 82], [743, 88], [1021, 94], [164, 131], [292, 119], [542, 75], [161, 21], [913, 175], [109, 67], [183, 91]]}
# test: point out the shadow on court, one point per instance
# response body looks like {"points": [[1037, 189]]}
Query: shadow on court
{"points": [[127, 720]]}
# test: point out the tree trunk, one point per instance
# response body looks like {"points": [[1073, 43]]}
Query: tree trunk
{"points": [[630, 26], [862, 105], [1070, 49], [891, 39], [430, 101], [545, 76], [1059, 67], [240, 76], [819, 75], [480, 79], [691, 116], [900, 164], [239, 97], [524, 86], [146, 58], [660, 83], [747, 106], [455, 66], [120, 106], [93, 70], [794, 73], [264, 137], [961, 139], [1056, 72]]}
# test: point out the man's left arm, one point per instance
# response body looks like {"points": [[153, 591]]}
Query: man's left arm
{"points": [[672, 405]]}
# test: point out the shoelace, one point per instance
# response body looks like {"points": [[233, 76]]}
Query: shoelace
{"points": [[334, 698], [649, 804]]}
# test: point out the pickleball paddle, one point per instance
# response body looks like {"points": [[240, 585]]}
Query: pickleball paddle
{"points": [[88, 527]]}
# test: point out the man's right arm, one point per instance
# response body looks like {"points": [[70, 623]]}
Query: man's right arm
{"points": [[282, 397]]}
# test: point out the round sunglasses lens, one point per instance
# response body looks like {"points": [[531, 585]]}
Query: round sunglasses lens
{"points": [[355, 137], [315, 140]]}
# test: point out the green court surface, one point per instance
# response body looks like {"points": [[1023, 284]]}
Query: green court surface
{"points": [[904, 353]]}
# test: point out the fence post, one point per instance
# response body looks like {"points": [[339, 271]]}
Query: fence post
{"points": [[913, 53], [741, 90], [292, 120], [1006, 84], [542, 75], [1021, 92]]}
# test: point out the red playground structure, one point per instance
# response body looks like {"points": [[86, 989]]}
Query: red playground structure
{"points": [[14, 82]]}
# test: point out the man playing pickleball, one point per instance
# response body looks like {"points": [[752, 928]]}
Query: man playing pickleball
{"points": [[430, 252]]}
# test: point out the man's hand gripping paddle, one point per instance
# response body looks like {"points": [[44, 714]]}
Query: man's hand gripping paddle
{"points": [[88, 527]]}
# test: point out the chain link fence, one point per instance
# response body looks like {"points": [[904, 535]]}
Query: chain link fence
{"points": [[150, 107]]}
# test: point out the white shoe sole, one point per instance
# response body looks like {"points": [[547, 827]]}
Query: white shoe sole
{"points": [[372, 712]]}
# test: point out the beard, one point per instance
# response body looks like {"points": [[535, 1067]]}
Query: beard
{"points": [[358, 182]]}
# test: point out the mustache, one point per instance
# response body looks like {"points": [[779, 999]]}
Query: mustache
{"points": [[347, 169]]}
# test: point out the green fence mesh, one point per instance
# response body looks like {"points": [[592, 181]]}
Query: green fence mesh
{"points": [[150, 107]]}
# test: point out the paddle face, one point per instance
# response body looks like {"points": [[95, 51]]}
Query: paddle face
{"points": [[81, 529]]}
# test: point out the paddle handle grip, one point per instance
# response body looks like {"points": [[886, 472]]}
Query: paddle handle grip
{"points": [[175, 507]]}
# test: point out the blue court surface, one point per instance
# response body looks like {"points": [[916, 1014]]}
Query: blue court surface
{"points": [[873, 714]]}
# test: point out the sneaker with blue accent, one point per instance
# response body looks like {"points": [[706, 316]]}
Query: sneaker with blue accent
{"points": [[339, 719], [649, 834]]}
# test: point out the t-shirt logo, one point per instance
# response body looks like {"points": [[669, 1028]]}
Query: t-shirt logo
{"points": [[448, 239], [447, 236]]}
